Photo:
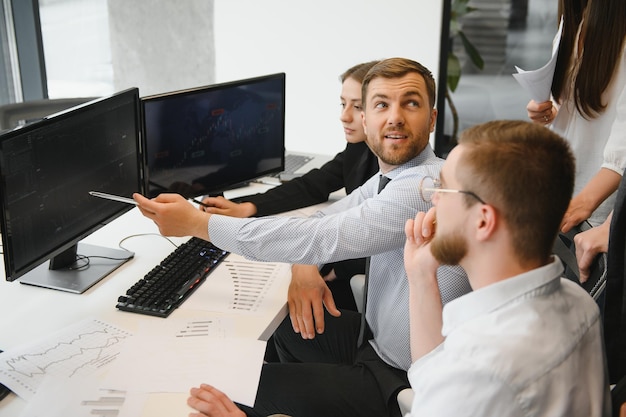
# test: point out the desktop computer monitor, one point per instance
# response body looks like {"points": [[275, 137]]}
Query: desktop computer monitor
{"points": [[208, 139], [47, 170]]}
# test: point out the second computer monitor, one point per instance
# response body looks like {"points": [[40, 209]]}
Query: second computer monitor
{"points": [[208, 139]]}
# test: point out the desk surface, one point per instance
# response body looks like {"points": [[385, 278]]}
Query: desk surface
{"points": [[27, 312]]}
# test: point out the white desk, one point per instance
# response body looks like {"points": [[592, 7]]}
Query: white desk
{"points": [[28, 312]]}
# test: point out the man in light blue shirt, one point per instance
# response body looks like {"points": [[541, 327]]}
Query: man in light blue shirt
{"points": [[333, 377], [525, 342]]}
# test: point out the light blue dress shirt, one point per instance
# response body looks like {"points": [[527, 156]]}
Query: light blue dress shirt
{"points": [[362, 224]]}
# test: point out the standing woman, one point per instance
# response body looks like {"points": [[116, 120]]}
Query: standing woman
{"points": [[588, 105]]}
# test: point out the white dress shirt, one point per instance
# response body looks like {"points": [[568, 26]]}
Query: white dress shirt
{"points": [[530, 345]]}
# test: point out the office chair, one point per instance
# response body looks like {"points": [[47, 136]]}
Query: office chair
{"points": [[565, 249], [618, 396], [615, 301], [357, 284], [18, 114]]}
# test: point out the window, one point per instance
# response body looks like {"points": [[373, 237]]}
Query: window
{"points": [[9, 74], [76, 47], [507, 33]]}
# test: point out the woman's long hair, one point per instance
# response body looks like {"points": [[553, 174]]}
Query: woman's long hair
{"points": [[604, 34]]}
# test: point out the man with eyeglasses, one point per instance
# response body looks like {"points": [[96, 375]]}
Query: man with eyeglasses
{"points": [[525, 341], [331, 374]]}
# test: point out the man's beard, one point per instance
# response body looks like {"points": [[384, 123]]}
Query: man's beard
{"points": [[398, 154], [449, 249]]}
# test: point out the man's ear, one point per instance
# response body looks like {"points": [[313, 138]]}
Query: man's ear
{"points": [[433, 120], [363, 122], [486, 222]]}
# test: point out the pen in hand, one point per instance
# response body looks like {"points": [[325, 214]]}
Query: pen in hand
{"points": [[195, 200]]}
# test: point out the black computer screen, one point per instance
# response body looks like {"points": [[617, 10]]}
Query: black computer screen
{"points": [[209, 139], [47, 170]]}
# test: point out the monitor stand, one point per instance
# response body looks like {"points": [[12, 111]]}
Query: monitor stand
{"points": [[78, 277]]}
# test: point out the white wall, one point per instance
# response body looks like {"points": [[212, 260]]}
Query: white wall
{"points": [[161, 45], [313, 42]]}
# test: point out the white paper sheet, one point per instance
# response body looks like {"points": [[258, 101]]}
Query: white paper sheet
{"points": [[86, 348], [173, 357], [85, 397], [151, 376], [241, 286], [81, 396], [538, 83]]}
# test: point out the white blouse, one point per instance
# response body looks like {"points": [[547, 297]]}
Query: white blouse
{"points": [[599, 142]]}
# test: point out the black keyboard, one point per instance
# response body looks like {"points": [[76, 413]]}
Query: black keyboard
{"points": [[172, 281]]}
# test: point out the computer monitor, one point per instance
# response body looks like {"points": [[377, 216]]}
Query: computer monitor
{"points": [[47, 169], [209, 139]]}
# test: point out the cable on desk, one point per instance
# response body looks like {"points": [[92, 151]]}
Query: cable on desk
{"points": [[144, 234]]}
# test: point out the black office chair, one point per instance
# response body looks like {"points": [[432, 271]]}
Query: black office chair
{"points": [[565, 249], [605, 285], [615, 301], [618, 397]]}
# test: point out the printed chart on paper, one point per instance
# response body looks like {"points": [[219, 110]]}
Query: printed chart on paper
{"points": [[78, 350]]}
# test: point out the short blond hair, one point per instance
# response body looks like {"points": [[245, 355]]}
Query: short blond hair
{"points": [[526, 171]]}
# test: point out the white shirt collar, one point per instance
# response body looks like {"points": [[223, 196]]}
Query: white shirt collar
{"points": [[476, 303]]}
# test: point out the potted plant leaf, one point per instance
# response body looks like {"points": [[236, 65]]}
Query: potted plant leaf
{"points": [[459, 8]]}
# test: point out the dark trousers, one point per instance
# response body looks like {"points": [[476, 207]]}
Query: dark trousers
{"points": [[328, 376]]}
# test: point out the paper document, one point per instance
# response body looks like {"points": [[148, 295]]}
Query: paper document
{"points": [[177, 354], [243, 287], [85, 397], [83, 349], [151, 376], [538, 83], [80, 397]]}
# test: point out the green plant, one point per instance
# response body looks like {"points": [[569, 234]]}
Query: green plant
{"points": [[458, 9]]}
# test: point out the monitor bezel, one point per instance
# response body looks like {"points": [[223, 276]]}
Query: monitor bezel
{"points": [[177, 94], [13, 272]]}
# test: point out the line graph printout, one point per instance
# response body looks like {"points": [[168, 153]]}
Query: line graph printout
{"points": [[79, 350]]}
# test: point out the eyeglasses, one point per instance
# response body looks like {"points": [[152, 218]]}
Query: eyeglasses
{"points": [[429, 186]]}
